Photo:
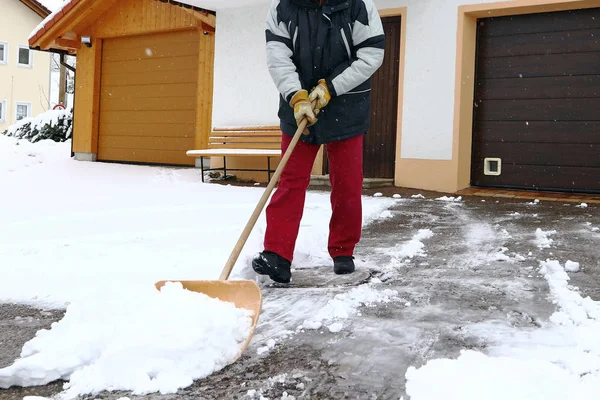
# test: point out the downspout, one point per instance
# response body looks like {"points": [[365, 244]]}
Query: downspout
{"points": [[70, 68], [64, 64]]}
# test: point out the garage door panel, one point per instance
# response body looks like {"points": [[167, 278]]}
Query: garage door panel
{"points": [[155, 117], [549, 154], [184, 130], [539, 88], [583, 109], [547, 22], [155, 65], [538, 132], [142, 91], [543, 177], [175, 157], [540, 65], [153, 42], [145, 143], [150, 52], [542, 43], [189, 76], [114, 103]]}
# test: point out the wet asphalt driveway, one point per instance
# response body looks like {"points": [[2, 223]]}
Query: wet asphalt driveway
{"points": [[478, 264]]}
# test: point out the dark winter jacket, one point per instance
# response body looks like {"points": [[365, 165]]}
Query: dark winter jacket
{"points": [[341, 41]]}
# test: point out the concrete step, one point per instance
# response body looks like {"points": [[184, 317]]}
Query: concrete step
{"points": [[368, 183]]}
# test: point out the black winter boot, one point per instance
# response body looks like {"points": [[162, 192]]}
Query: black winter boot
{"points": [[269, 263], [343, 265]]}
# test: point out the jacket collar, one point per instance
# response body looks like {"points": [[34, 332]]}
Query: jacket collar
{"points": [[318, 3]]}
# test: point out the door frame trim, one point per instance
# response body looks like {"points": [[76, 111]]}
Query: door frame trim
{"points": [[398, 12], [464, 94]]}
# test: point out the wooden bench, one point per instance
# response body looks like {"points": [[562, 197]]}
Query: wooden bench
{"points": [[241, 142]]}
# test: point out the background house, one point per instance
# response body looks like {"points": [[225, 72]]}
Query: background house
{"points": [[499, 94], [24, 74]]}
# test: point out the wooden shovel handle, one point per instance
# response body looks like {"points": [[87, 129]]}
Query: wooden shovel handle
{"points": [[263, 200]]}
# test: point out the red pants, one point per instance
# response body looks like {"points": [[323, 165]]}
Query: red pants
{"points": [[286, 207]]}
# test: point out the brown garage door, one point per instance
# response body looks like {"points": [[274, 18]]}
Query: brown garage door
{"points": [[537, 102], [148, 98]]}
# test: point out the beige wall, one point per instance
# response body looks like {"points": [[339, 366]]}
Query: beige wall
{"points": [[22, 84], [437, 61]]}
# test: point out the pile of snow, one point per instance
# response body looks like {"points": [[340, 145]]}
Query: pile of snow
{"points": [[571, 266], [541, 238], [404, 252], [502, 255], [450, 198], [345, 305], [560, 361], [574, 309], [94, 238], [143, 341]]}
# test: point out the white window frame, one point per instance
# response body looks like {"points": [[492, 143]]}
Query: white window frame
{"points": [[5, 61], [3, 111], [30, 65], [22, 103]]}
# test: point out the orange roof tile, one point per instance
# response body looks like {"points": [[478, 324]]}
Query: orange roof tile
{"points": [[51, 20]]}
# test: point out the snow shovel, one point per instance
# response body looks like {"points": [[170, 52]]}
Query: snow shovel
{"points": [[243, 293]]}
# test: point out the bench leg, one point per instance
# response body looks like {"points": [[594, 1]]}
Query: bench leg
{"points": [[202, 167], [224, 168], [269, 167]]}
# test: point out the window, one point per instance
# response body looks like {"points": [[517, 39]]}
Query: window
{"points": [[23, 110], [25, 57], [3, 53], [2, 111]]}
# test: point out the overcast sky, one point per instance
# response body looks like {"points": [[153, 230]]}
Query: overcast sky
{"points": [[51, 4]]}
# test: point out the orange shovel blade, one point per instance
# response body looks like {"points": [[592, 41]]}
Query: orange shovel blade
{"points": [[243, 293]]}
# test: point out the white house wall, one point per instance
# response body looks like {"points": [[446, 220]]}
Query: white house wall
{"points": [[22, 84], [245, 95]]}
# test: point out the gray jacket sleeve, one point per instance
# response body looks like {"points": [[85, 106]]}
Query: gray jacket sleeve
{"points": [[368, 42], [279, 54]]}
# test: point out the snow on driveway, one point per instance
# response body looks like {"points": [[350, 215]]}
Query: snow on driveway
{"points": [[95, 238], [553, 359]]}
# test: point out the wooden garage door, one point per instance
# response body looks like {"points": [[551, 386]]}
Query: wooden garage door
{"points": [[537, 101], [148, 98]]}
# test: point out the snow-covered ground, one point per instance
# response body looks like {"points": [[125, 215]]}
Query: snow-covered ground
{"points": [[561, 360], [95, 237]]}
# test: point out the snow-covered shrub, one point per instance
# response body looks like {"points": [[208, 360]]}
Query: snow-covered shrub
{"points": [[55, 125]]}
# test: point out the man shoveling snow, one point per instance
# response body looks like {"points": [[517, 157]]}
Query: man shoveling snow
{"points": [[310, 45]]}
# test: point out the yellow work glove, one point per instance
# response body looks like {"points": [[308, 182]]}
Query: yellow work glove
{"points": [[303, 108], [321, 94]]}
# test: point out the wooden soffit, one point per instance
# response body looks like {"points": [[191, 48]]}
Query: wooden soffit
{"points": [[62, 30]]}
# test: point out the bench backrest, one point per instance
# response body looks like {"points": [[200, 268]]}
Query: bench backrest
{"points": [[245, 138]]}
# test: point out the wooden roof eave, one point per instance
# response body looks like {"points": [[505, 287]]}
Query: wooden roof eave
{"points": [[206, 21], [65, 34], [36, 7], [78, 19]]}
